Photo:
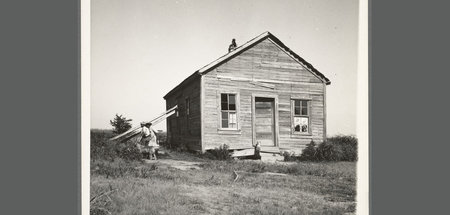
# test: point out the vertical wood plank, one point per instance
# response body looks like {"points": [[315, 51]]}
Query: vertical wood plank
{"points": [[202, 115]]}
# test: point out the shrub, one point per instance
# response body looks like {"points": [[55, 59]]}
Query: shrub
{"points": [[309, 153], [128, 151], [100, 147], [220, 153], [327, 151], [348, 145], [337, 148], [288, 156]]}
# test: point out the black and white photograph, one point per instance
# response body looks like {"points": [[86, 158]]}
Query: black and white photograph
{"points": [[224, 107]]}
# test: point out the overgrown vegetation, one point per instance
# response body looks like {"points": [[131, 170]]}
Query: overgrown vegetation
{"points": [[128, 186], [120, 168], [221, 153], [140, 188], [337, 148], [103, 149]]}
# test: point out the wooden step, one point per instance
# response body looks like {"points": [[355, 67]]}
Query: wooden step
{"points": [[270, 149], [243, 153]]}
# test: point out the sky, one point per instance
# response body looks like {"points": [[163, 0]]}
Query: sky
{"points": [[141, 49]]}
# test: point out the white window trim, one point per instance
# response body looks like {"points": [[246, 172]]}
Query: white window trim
{"points": [[221, 130], [309, 116]]}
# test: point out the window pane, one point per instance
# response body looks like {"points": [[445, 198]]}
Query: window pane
{"points": [[304, 110], [296, 127], [232, 107], [232, 120], [224, 106], [304, 103], [224, 123], [232, 102], [232, 117], [304, 107], [232, 99], [224, 101], [296, 110], [224, 98], [224, 120], [296, 107], [301, 124]]}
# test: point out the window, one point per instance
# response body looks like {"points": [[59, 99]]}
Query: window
{"points": [[301, 116], [228, 111], [188, 106]]}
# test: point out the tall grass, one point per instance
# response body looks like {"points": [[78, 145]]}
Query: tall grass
{"points": [[309, 188], [127, 186], [104, 149]]}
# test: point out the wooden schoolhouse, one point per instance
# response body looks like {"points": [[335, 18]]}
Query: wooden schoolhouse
{"points": [[259, 92]]}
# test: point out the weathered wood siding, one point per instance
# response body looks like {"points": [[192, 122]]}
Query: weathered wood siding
{"points": [[184, 129], [261, 69]]}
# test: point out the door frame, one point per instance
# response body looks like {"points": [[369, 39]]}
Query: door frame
{"points": [[276, 130]]}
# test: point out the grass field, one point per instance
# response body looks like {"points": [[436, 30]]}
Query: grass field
{"points": [[121, 187]]}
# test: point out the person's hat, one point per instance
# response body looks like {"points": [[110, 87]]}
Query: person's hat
{"points": [[148, 123], [142, 123]]}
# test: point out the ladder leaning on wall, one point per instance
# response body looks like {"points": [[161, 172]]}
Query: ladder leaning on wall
{"points": [[136, 130]]}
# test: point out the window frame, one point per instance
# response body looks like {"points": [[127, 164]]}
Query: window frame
{"points": [[188, 106], [228, 130], [308, 116], [187, 113]]}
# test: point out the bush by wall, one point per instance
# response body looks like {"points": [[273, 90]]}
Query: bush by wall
{"points": [[337, 148], [309, 153], [348, 146], [220, 153]]}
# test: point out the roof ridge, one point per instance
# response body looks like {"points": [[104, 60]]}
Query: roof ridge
{"points": [[243, 47], [234, 52]]}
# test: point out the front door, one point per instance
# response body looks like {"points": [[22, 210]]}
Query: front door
{"points": [[265, 121]]}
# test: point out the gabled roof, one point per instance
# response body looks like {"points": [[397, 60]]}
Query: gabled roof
{"points": [[244, 47]]}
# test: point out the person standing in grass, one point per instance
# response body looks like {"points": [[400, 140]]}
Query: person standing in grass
{"points": [[149, 139]]}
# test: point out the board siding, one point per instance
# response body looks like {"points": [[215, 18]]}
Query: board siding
{"points": [[185, 129], [286, 79]]}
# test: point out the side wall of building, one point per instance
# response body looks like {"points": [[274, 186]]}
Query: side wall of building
{"points": [[183, 128], [262, 70]]}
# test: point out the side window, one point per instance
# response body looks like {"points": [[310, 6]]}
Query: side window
{"points": [[188, 110], [228, 110], [188, 106], [301, 116]]}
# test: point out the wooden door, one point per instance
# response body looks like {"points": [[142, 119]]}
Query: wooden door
{"points": [[264, 121]]}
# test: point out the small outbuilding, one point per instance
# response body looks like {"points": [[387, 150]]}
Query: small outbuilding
{"points": [[260, 91]]}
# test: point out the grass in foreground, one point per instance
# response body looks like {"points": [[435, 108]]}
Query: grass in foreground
{"points": [[139, 188]]}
